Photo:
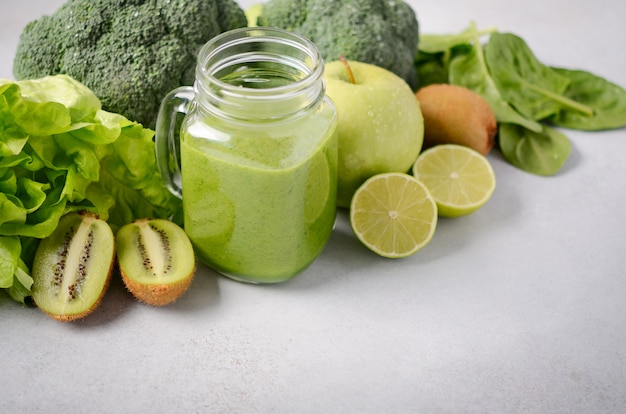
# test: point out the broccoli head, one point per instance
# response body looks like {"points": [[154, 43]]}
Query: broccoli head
{"points": [[380, 32], [130, 53]]}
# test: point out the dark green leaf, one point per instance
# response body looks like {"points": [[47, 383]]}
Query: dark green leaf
{"points": [[542, 153], [430, 69], [607, 99], [534, 89], [470, 70]]}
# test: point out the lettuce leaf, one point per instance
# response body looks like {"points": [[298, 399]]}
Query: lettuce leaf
{"points": [[60, 152]]}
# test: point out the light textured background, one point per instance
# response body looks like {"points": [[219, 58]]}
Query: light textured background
{"points": [[519, 308]]}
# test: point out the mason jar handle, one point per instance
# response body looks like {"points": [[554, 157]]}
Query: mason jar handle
{"points": [[174, 107]]}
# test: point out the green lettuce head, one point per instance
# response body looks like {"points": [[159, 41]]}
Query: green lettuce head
{"points": [[60, 152]]}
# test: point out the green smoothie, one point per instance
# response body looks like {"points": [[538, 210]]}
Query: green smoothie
{"points": [[259, 200]]}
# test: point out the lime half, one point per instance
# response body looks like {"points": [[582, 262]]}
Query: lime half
{"points": [[460, 179], [393, 214]]}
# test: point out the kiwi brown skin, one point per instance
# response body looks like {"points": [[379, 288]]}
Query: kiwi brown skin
{"points": [[457, 115], [51, 265], [158, 294], [156, 260]]}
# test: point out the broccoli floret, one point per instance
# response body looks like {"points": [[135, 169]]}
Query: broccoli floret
{"points": [[130, 53], [380, 32]]}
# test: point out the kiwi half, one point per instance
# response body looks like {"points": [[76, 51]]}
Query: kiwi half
{"points": [[72, 267], [156, 260]]}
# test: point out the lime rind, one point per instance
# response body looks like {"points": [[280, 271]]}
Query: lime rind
{"points": [[393, 214]]}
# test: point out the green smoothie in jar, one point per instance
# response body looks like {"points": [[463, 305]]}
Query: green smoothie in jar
{"points": [[265, 206], [258, 156]]}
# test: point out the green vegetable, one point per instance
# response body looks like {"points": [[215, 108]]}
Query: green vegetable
{"points": [[131, 54], [533, 88], [607, 100], [14, 275], [380, 32], [542, 153], [459, 59], [431, 69], [60, 152], [525, 94], [470, 70], [433, 44]]}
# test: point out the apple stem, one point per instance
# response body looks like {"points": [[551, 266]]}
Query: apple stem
{"points": [[343, 60]]}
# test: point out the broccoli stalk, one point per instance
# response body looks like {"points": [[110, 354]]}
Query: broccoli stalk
{"points": [[130, 53], [380, 32]]}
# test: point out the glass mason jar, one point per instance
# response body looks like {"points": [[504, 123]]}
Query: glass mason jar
{"points": [[252, 151]]}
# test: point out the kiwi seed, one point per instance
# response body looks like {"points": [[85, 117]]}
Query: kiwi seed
{"points": [[72, 267], [156, 260]]}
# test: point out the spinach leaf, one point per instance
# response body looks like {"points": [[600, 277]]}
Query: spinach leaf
{"points": [[607, 99], [523, 93], [432, 43], [431, 68], [534, 89], [470, 70], [541, 153], [435, 52]]}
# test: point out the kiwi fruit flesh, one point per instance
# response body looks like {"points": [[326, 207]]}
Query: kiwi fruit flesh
{"points": [[457, 115], [156, 260], [72, 267]]}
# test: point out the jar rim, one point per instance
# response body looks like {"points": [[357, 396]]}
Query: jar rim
{"points": [[249, 35]]}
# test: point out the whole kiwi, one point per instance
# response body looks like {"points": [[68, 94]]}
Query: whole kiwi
{"points": [[156, 260], [72, 267], [457, 115]]}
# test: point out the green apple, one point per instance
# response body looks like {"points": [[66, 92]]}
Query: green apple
{"points": [[380, 125]]}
